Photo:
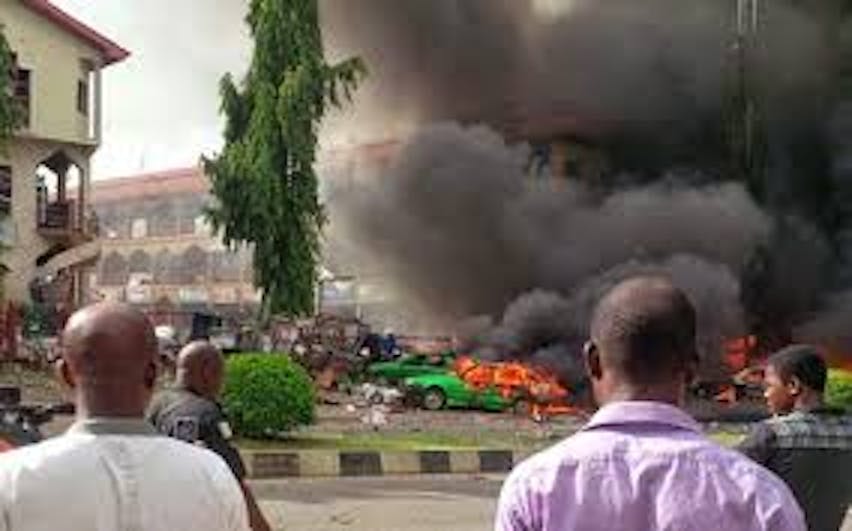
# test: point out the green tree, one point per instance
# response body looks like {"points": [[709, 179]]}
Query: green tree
{"points": [[264, 183]]}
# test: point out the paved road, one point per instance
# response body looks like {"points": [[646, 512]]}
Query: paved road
{"points": [[415, 503]]}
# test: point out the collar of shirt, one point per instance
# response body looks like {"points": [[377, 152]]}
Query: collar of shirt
{"points": [[642, 412], [113, 426]]}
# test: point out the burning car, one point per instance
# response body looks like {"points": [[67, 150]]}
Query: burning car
{"points": [[449, 390], [409, 366], [492, 386]]}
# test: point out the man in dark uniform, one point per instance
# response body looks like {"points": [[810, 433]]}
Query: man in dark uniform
{"points": [[190, 412]]}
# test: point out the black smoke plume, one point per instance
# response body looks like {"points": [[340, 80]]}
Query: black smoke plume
{"points": [[455, 228]]}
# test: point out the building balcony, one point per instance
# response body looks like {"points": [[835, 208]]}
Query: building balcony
{"points": [[5, 190], [60, 220]]}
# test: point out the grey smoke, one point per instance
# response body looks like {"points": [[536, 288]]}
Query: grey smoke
{"points": [[651, 74], [456, 229]]}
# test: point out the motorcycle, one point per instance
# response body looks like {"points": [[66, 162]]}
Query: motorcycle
{"points": [[20, 424]]}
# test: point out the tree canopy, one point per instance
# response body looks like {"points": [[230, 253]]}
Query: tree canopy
{"points": [[264, 183]]}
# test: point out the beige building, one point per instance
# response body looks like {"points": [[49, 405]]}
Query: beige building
{"points": [[45, 172], [159, 253]]}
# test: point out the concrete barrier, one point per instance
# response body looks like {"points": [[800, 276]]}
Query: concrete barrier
{"points": [[266, 464]]}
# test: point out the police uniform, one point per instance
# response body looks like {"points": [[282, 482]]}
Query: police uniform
{"points": [[184, 415]]}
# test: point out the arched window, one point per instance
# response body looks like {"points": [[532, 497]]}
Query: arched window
{"points": [[140, 262], [114, 270], [193, 265]]}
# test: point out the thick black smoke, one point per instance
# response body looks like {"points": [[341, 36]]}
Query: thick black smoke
{"points": [[456, 229], [650, 79]]}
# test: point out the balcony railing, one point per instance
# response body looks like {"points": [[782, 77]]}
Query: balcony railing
{"points": [[55, 216], [5, 189], [61, 219]]}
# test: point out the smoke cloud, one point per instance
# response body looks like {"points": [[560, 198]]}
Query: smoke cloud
{"points": [[456, 229], [650, 78]]}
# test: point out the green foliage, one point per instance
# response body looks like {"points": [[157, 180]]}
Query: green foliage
{"points": [[267, 394], [264, 181], [839, 389]]}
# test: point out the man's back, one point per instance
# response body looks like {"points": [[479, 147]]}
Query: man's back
{"points": [[812, 452], [640, 466], [108, 476]]}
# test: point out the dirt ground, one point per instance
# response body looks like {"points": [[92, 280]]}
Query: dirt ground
{"points": [[350, 416]]}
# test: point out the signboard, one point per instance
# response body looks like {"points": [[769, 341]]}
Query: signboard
{"points": [[193, 295]]}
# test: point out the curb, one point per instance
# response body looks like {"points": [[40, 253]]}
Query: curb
{"points": [[333, 463]]}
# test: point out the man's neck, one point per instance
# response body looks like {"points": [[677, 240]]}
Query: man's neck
{"points": [[189, 388], [809, 402], [632, 393]]}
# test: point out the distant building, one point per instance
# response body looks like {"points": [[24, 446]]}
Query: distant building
{"points": [[160, 254], [49, 232]]}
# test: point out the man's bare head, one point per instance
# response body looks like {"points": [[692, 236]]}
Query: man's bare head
{"points": [[643, 335], [109, 354], [201, 368]]}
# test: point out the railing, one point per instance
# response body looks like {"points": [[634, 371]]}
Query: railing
{"points": [[5, 189], [55, 216]]}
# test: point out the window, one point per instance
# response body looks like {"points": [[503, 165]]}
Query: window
{"points": [[21, 90], [139, 228], [5, 188], [83, 97]]}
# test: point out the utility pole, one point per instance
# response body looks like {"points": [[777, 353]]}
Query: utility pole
{"points": [[747, 139]]}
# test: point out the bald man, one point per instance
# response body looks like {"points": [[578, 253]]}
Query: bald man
{"points": [[111, 471], [190, 412], [641, 462]]}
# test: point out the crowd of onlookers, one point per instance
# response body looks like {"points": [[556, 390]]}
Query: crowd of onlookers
{"points": [[131, 463]]}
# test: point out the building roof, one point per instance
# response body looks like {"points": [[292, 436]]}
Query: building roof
{"points": [[112, 52], [150, 185]]}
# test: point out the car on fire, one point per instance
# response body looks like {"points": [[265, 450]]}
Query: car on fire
{"points": [[410, 365], [491, 386], [449, 390]]}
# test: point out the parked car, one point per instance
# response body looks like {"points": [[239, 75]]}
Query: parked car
{"points": [[448, 390], [410, 365]]}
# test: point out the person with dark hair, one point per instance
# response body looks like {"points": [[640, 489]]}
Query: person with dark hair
{"points": [[806, 443], [190, 412], [112, 470], [641, 462]]}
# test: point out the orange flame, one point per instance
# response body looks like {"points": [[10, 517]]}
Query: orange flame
{"points": [[738, 351], [514, 380]]}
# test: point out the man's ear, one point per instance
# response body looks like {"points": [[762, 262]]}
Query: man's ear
{"points": [[592, 357], [691, 369], [794, 386], [151, 375], [64, 374]]}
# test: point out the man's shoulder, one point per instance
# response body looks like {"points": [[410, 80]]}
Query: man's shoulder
{"points": [[829, 429], [585, 450], [179, 398], [34, 454], [190, 454]]}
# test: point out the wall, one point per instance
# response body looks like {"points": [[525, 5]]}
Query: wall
{"points": [[177, 257], [20, 231], [54, 57]]}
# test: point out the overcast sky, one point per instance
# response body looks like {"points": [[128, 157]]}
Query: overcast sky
{"points": [[161, 104]]}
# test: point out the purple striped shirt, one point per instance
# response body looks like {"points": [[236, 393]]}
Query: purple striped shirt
{"points": [[640, 466]]}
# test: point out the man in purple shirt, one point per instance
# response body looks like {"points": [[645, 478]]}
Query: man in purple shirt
{"points": [[642, 463]]}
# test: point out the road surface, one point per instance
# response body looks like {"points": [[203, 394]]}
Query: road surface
{"points": [[413, 503]]}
